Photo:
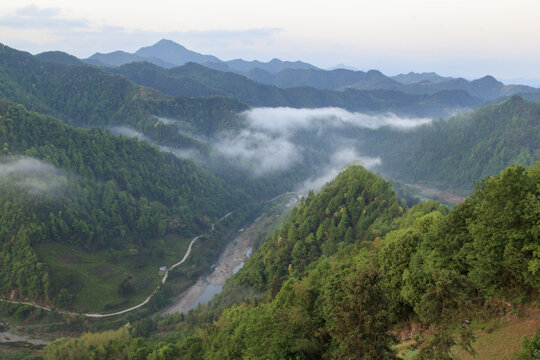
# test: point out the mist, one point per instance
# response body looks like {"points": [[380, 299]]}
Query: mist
{"points": [[125, 131], [286, 120], [31, 175], [338, 161], [259, 152], [271, 140], [180, 153], [278, 139]]}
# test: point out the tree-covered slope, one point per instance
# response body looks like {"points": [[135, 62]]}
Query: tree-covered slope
{"points": [[150, 75], [454, 153], [177, 82], [87, 96], [436, 269], [317, 78], [93, 190], [82, 95], [356, 206], [59, 57]]}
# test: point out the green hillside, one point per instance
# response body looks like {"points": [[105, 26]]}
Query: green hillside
{"points": [[87, 96], [93, 191], [390, 266], [182, 80], [456, 152]]}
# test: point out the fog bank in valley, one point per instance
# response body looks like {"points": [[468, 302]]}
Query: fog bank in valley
{"points": [[272, 140], [286, 120], [277, 139]]}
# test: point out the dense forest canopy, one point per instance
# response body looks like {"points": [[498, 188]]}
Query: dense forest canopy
{"points": [[204, 81], [456, 152], [322, 298], [87, 96], [348, 267], [94, 190]]}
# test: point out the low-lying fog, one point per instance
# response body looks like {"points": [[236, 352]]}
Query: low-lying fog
{"points": [[31, 175], [278, 138], [271, 140]]}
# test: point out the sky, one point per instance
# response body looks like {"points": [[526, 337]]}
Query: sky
{"points": [[468, 38]]}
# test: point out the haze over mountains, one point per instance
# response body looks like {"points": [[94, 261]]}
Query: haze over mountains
{"points": [[168, 54], [113, 166], [203, 107]]}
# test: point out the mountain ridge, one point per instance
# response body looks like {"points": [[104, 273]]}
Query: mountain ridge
{"points": [[169, 54]]}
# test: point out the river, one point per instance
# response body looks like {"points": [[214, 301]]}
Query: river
{"points": [[228, 264]]}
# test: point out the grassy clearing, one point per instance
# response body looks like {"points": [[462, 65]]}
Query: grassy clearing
{"points": [[496, 339], [18, 352], [95, 277], [502, 341]]}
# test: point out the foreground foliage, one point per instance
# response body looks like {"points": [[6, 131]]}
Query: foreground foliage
{"points": [[424, 264]]}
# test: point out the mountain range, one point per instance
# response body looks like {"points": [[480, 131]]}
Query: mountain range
{"points": [[194, 79], [168, 54], [284, 74], [88, 217]]}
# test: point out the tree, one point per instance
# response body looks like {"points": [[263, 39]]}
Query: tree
{"points": [[357, 316]]}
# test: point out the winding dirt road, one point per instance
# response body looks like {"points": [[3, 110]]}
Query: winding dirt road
{"points": [[163, 280]]}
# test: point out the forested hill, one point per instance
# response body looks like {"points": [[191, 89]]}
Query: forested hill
{"points": [[207, 81], [93, 190], [59, 57], [456, 152], [356, 206], [88, 96], [350, 267]]}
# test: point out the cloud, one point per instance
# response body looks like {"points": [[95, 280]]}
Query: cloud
{"points": [[284, 120], [338, 161], [33, 11], [276, 139], [31, 175], [258, 151], [320, 141], [181, 153], [33, 17], [37, 29]]}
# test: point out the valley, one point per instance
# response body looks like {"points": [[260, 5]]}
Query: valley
{"points": [[169, 202], [234, 257]]}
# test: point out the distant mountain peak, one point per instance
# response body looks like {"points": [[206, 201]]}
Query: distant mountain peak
{"points": [[423, 77], [117, 52], [488, 79], [166, 43], [342, 66], [174, 53], [168, 53]]}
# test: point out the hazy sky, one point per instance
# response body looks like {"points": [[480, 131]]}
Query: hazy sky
{"points": [[452, 37]]}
